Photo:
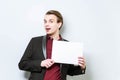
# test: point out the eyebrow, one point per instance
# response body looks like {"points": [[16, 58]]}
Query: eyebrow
{"points": [[52, 19], [49, 19]]}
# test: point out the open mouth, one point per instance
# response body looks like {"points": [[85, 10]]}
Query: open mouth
{"points": [[47, 29]]}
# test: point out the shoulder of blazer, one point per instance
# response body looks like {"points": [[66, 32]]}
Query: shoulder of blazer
{"points": [[37, 38]]}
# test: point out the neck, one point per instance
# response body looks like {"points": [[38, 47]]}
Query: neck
{"points": [[55, 36]]}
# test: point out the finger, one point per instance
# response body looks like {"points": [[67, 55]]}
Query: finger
{"points": [[47, 66], [82, 65], [81, 59], [49, 63]]}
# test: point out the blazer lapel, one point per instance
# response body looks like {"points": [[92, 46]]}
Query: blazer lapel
{"points": [[44, 45]]}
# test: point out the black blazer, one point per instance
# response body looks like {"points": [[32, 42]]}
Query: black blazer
{"points": [[35, 53]]}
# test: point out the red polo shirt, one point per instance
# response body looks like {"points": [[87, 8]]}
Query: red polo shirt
{"points": [[52, 73]]}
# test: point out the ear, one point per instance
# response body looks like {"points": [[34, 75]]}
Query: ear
{"points": [[59, 25]]}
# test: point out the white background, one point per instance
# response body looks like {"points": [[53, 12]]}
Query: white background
{"points": [[96, 23]]}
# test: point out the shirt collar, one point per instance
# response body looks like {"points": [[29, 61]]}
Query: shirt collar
{"points": [[60, 37]]}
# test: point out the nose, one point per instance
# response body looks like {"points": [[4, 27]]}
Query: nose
{"points": [[46, 24]]}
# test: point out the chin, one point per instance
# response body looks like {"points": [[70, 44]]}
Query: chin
{"points": [[48, 33]]}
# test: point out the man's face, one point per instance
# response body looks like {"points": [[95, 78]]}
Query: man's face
{"points": [[51, 25]]}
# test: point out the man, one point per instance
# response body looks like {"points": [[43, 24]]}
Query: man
{"points": [[37, 56]]}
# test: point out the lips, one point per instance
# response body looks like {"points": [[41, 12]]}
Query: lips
{"points": [[47, 29]]}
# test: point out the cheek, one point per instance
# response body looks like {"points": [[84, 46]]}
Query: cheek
{"points": [[54, 27]]}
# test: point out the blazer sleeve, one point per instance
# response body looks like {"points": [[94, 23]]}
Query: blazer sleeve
{"points": [[75, 70], [27, 63]]}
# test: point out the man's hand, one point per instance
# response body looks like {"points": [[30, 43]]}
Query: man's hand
{"points": [[47, 63], [81, 62]]}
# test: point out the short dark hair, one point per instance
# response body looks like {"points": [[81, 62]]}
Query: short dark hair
{"points": [[57, 14]]}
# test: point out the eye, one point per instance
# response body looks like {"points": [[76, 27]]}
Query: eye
{"points": [[51, 21]]}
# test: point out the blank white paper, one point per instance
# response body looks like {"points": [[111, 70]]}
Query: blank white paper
{"points": [[66, 52]]}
